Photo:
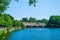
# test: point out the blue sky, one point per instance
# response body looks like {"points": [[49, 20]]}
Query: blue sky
{"points": [[43, 9]]}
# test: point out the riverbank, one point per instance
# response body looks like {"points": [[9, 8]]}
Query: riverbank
{"points": [[5, 32]]}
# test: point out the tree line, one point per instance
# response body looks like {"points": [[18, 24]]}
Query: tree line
{"points": [[7, 20], [32, 19], [53, 22]]}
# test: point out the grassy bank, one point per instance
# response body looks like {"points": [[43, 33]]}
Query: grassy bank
{"points": [[6, 32]]}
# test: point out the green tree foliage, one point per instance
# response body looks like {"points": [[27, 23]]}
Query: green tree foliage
{"points": [[12, 18], [4, 5], [32, 2], [25, 19], [5, 20], [2, 21], [31, 19], [8, 20], [21, 25], [44, 20], [38, 20], [17, 24], [54, 22], [2, 35]]}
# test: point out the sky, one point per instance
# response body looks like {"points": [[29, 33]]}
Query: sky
{"points": [[43, 10]]}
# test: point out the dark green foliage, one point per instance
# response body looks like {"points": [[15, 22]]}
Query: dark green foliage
{"points": [[31, 19], [12, 18], [54, 22], [21, 24], [38, 20], [5, 20], [8, 20], [3, 35], [2, 21], [16, 23], [4, 5], [44, 20], [25, 19], [32, 2]]}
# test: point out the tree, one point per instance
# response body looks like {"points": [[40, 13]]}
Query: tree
{"points": [[12, 18], [5, 20], [44, 20], [16, 23], [54, 22], [4, 5], [22, 25], [31, 19], [38, 20], [8, 20], [1, 21], [25, 19], [32, 2]]}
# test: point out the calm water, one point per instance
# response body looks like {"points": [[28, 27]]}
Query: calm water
{"points": [[36, 34]]}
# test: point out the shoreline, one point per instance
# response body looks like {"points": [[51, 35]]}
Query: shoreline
{"points": [[4, 33]]}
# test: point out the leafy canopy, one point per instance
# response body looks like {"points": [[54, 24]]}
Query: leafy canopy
{"points": [[4, 4]]}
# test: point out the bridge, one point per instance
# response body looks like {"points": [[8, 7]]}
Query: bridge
{"points": [[34, 24]]}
